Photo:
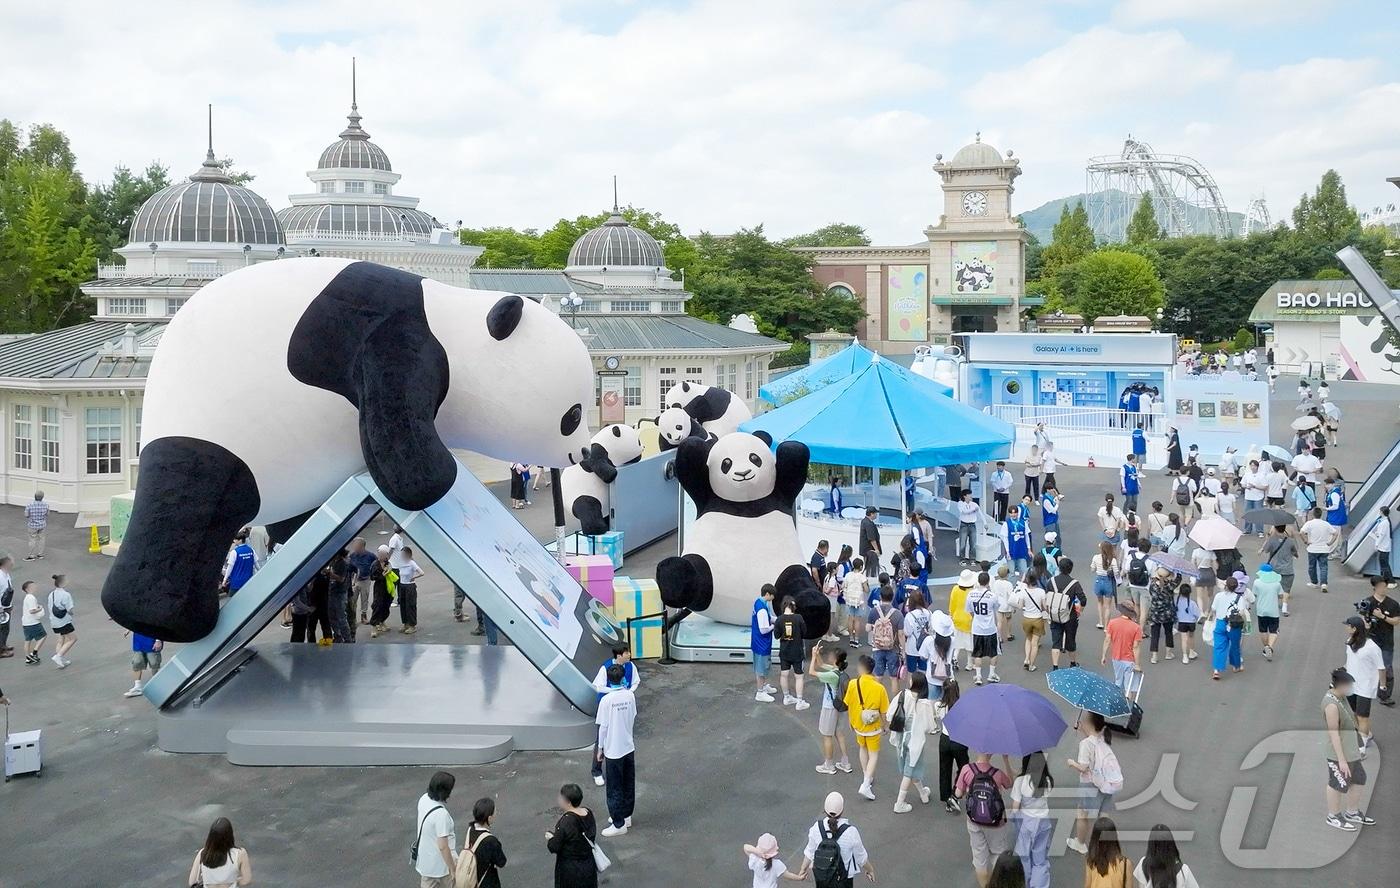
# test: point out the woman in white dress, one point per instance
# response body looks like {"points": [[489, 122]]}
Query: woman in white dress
{"points": [[221, 863]]}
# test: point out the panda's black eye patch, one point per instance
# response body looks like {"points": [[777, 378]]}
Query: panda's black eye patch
{"points": [[755, 459], [569, 423], [726, 465]]}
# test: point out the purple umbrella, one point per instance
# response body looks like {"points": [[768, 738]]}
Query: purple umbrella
{"points": [[1005, 719]]}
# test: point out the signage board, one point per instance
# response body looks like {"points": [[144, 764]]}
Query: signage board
{"points": [[1098, 349]]}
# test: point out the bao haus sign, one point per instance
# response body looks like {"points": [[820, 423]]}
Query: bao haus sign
{"points": [[1342, 300]]}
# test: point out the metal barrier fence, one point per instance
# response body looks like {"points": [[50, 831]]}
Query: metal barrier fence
{"points": [[1075, 420]]}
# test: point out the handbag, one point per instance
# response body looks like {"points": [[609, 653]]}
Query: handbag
{"points": [[600, 860], [897, 720], [413, 849]]}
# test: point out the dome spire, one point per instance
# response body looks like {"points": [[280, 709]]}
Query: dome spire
{"points": [[614, 192], [354, 131], [616, 218], [210, 171]]}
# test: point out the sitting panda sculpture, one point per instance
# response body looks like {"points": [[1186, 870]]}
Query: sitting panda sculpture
{"points": [[719, 411], [585, 487], [276, 383], [744, 533], [674, 425]]}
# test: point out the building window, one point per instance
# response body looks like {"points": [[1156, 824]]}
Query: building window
{"points": [[632, 388], [630, 305], [48, 439], [103, 440], [695, 374], [592, 305], [719, 376], [748, 381], [173, 305], [126, 306], [354, 188], [381, 188], [841, 290], [675, 306], [24, 436], [136, 430], [668, 379], [733, 385], [328, 188]]}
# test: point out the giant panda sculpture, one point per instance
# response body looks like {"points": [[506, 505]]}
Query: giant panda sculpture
{"points": [[744, 533], [586, 486], [276, 383], [718, 410], [674, 425]]}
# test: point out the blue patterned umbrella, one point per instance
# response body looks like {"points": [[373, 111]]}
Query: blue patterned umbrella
{"points": [[1083, 689], [1005, 719], [1175, 563]]}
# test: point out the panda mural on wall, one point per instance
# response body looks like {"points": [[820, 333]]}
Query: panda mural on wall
{"points": [[276, 383], [674, 425], [718, 410], [585, 487], [744, 533]]}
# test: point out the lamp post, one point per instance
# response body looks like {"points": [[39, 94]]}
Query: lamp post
{"points": [[153, 246], [247, 251], [572, 303]]}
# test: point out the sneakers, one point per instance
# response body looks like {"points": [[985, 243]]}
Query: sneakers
{"points": [[903, 807], [59, 661], [1154, 659], [769, 689], [410, 630], [1171, 654], [789, 699], [1359, 818], [1268, 652], [924, 794], [133, 691], [950, 806], [867, 791], [598, 780], [609, 831], [1185, 660], [761, 697], [1074, 844], [844, 767], [826, 768], [1324, 588], [1336, 822], [1194, 655], [31, 659], [801, 705], [1312, 585]]}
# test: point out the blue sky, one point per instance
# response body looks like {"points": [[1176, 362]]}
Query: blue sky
{"points": [[720, 113]]}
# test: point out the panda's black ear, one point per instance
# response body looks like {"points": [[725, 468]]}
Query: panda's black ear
{"points": [[685, 386], [764, 437], [617, 431], [504, 316]]}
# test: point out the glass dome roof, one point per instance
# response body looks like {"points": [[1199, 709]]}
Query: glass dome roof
{"points": [[616, 244], [209, 208]]}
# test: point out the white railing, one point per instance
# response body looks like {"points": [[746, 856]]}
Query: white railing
{"points": [[304, 235], [1079, 419], [199, 271]]}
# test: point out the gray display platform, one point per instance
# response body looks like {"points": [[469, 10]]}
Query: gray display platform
{"points": [[382, 704], [698, 639]]}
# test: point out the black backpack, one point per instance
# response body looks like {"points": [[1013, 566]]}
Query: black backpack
{"points": [[1182, 489], [1137, 570], [828, 864]]}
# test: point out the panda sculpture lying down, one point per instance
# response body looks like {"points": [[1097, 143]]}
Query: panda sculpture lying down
{"points": [[744, 533], [586, 486], [276, 383]]}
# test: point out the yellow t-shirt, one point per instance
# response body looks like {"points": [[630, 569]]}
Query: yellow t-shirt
{"points": [[957, 608], [866, 692]]}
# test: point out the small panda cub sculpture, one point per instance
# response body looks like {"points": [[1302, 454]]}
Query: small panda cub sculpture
{"points": [[674, 425], [585, 486], [744, 533], [718, 410]]}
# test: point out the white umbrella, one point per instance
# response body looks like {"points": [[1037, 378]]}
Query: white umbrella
{"points": [[1331, 409], [1273, 451], [1303, 423], [1214, 533]]}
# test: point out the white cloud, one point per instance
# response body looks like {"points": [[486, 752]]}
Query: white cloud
{"points": [[1313, 82], [1240, 12]]}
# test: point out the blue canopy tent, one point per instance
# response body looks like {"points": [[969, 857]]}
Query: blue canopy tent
{"points": [[848, 361], [883, 416]]}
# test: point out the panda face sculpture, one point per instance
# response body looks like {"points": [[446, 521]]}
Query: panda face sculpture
{"points": [[325, 368], [718, 411], [674, 425], [622, 443], [741, 468], [586, 487]]}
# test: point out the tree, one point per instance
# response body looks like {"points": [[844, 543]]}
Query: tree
{"points": [[1112, 282], [1326, 217], [556, 241], [1143, 227], [1071, 240], [112, 208], [504, 247], [238, 177], [837, 234]]}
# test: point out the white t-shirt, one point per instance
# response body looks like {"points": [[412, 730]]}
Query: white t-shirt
{"points": [[1319, 535], [617, 713], [1225, 600], [59, 599], [409, 571], [763, 876], [1248, 479], [1203, 558], [435, 825], [1110, 521], [1276, 481], [1023, 792], [967, 512], [395, 548], [1102, 570], [1380, 533], [1029, 598], [1226, 503], [1365, 666], [1308, 466], [1048, 463], [917, 624], [855, 588], [30, 603], [1211, 483], [982, 604], [1002, 590]]}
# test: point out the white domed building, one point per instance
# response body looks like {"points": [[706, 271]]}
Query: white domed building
{"points": [[353, 212], [619, 294]]}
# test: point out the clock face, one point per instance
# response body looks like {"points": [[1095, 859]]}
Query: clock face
{"points": [[612, 362], [975, 203]]}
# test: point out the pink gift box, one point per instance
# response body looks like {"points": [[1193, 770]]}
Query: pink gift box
{"points": [[595, 574]]}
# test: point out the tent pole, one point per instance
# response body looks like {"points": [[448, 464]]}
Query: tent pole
{"points": [[903, 502]]}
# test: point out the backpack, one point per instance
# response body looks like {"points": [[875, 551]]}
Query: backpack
{"points": [[1137, 570], [828, 864], [838, 696], [468, 876], [985, 806], [1060, 603], [882, 631], [1107, 776], [1182, 492]]}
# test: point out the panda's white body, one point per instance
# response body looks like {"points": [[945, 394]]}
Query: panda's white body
{"points": [[735, 411], [769, 546], [580, 483], [220, 374]]}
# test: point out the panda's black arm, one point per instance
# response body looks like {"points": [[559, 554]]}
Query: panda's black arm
{"points": [[793, 457], [707, 407], [600, 464], [401, 378], [693, 472]]}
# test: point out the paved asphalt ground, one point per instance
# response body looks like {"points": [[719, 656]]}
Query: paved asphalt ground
{"points": [[715, 769]]}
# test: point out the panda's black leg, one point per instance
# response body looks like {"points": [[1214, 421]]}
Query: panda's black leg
{"points": [[592, 519], [796, 581], [399, 387], [685, 582], [281, 531], [191, 498]]}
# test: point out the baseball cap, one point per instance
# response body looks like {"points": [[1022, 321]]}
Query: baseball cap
{"points": [[1051, 535], [1355, 622], [1266, 567], [835, 804]]}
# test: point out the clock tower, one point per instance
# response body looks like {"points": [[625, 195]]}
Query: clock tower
{"points": [[977, 250]]}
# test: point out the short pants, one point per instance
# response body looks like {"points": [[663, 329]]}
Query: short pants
{"points": [[788, 664], [66, 629], [915, 664], [985, 646], [1104, 586], [762, 663], [1186, 628], [1341, 784], [1360, 705], [870, 743], [1093, 802], [145, 660], [826, 723], [1267, 625], [988, 843], [886, 662], [1032, 628], [34, 632]]}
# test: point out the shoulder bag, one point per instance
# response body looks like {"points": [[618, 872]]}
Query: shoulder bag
{"points": [[600, 860], [413, 849]]}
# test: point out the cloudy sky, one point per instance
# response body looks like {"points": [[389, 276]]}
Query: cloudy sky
{"points": [[721, 113]]}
